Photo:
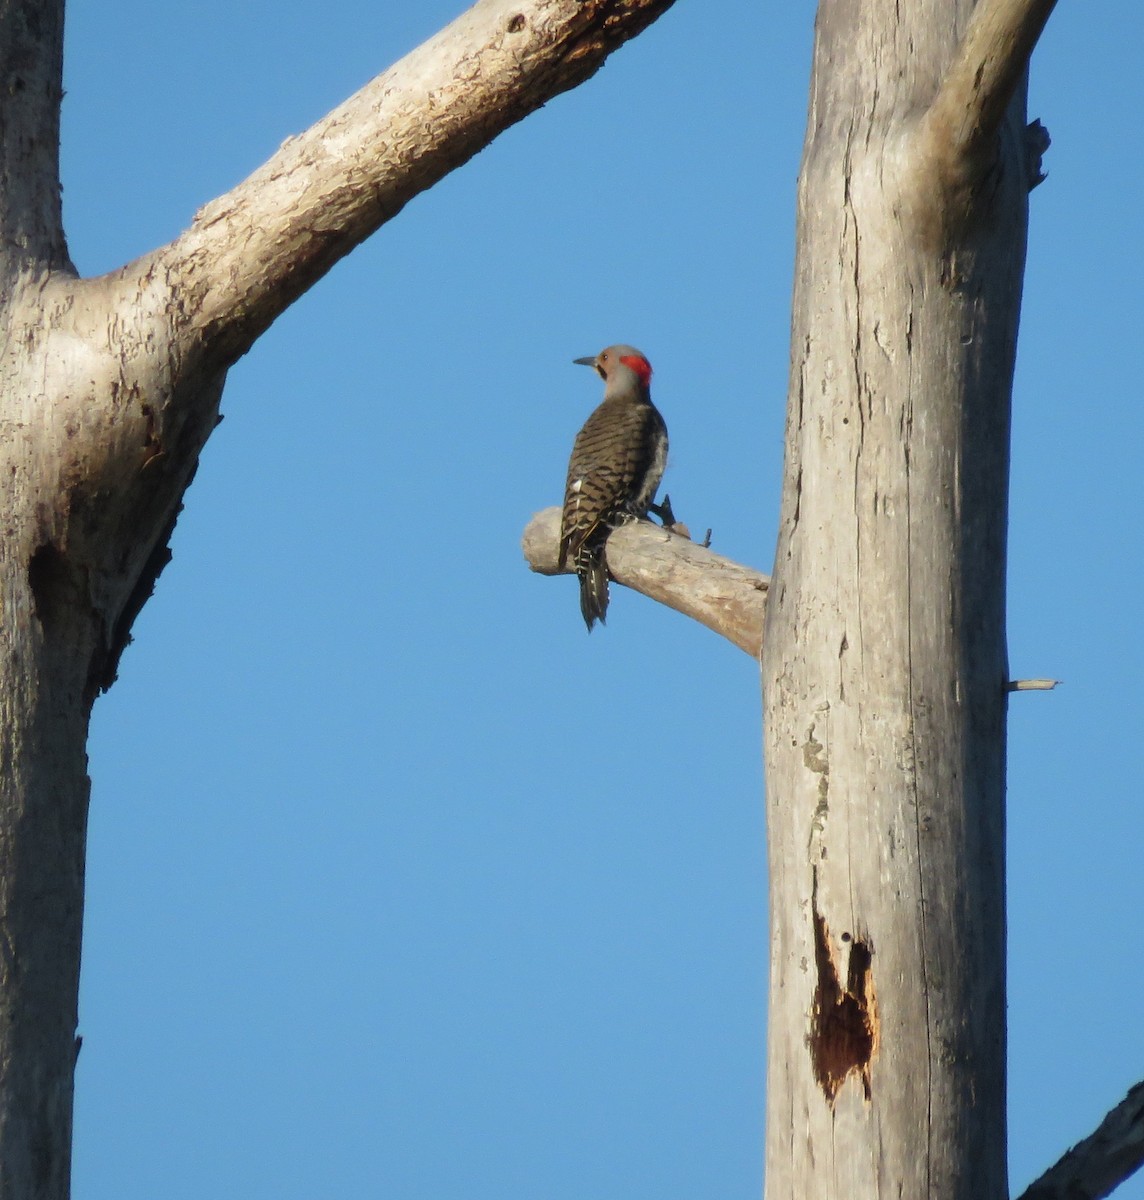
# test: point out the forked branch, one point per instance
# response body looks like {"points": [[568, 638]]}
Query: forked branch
{"points": [[1101, 1163], [960, 128], [721, 594]]}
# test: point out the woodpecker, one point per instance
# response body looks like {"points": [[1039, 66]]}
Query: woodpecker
{"points": [[616, 465]]}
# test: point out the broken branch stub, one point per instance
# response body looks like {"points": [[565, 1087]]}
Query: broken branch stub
{"points": [[717, 592]]}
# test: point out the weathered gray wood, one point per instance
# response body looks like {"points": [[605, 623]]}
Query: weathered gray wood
{"points": [[1097, 1166], [721, 594], [44, 646], [251, 252], [108, 390], [884, 662]]}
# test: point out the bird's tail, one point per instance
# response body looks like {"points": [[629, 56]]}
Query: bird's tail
{"points": [[593, 572]]}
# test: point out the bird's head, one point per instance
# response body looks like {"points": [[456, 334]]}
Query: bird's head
{"points": [[622, 368]]}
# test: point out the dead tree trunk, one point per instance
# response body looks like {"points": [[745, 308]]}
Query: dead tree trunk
{"points": [[884, 663], [882, 629], [109, 389]]}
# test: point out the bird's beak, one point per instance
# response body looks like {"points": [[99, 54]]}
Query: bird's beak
{"points": [[590, 361]]}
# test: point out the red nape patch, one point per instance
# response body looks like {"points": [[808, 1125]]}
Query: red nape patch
{"points": [[639, 364]]}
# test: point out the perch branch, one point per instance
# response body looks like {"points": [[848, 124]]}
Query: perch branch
{"points": [[1031, 685], [721, 594], [1101, 1163], [252, 252], [960, 128]]}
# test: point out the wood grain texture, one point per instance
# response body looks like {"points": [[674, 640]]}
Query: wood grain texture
{"points": [[109, 389], [1095, 1167], [723, 595], [884, 657], [251, 252]]}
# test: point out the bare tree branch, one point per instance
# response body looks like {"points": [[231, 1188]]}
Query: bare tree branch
{"points": [[962, 123], [721, 594], [1031, 685], [253, 251], [1101, 1163]]}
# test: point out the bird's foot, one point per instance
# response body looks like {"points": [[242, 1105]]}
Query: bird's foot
{"points": [[666, 514]]}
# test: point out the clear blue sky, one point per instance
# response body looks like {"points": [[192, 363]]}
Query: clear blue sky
{"points": [[400, 885]]}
